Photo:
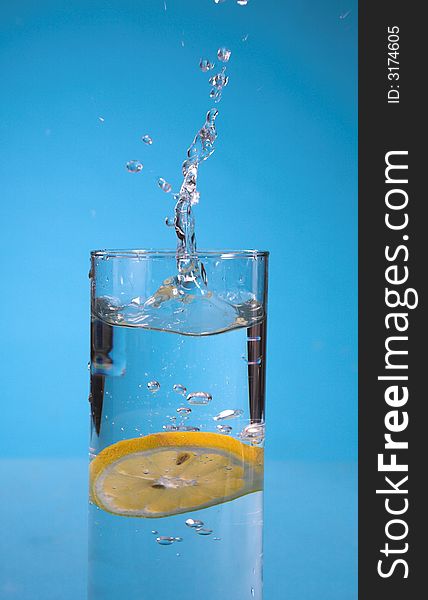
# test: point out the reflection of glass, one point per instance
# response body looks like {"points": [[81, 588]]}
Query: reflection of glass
{"points": [[177, 404]]}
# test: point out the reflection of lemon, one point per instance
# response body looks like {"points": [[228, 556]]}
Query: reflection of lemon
{"points": [[170, 473]]}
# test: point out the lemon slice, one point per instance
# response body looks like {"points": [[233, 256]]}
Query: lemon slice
{"points": [[175, 472]]}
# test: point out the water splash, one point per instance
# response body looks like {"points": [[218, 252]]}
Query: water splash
{"points": [[147, 139], [205, 65], [224, 54], [134, 166]]}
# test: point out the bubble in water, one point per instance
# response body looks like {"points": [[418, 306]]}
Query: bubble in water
{"points": [[169, 221], [164, 185], [155, 531], [256, 361], [252, 592], [203, 531], [178, 539], [219, 1], [199, 398], [134, 166], [194, 523], [170, 427], [180, 389], [153, 386], [101, 119], [147, 139], [245, 37], [226, 429], [224, 54], [229, 413], [184, 410], [165, 540], [187, 428], [254, 433], [344, 15], [205, 65], [242, 2]]}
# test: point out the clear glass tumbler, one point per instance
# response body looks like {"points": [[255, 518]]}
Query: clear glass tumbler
{"points": [[177, 399]]}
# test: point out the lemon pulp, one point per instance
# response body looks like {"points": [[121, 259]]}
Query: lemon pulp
{"points": [[170, 473]]}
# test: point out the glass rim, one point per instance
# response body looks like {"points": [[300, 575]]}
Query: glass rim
{"points": [[151, 253]]}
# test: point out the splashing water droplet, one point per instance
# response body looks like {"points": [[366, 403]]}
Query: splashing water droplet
{"points": [[165, 540], [229, 413], [219, 80], [179, 389], [203, 531], [224, 54], [164, 185], [205, 65], [134, 166], [147, 139], [169, 221], [199, 398], [226, 429], [254, 433], [153, 386], [184, 410], [194, 523]]}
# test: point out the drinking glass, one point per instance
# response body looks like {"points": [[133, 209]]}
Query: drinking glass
{"points": [[177, 396]]}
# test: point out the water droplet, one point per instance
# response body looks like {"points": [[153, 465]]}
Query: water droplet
{"points": [[245, 37], [169, 221], [165, 540], [187, 428], [134, 166], [178, 539], [180, 389], [101, 119], [203, 531], [229, 413], [199, 398], [153, 386], [256, 338], [216, 539], [155, 531], [226, 429], [164, 185], [252, 592], [255, 433], [242, 2], [224, 54], [147, 139], [219, 1], [184, 410], [205, 65], [219, 80], [194, 523]]}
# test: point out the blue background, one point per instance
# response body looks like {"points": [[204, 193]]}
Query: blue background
{"points": [[283, 178]]}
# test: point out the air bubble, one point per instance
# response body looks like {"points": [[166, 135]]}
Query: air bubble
{"points": [[184, 410], [165, 540], [252, 592], [169, 221], [203, 531], [254, 433], [155, 531], [224, 54], [194, 523], [179, 389], [153, 386], [178, 539], [199, 398], [242, 2], [226, 429], [229, 413], [101, 119], [147, 139], [205, 65], [134, 166], [164, 185]]}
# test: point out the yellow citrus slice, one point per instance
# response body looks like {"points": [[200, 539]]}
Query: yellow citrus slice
{"points": [[175, 472]]}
